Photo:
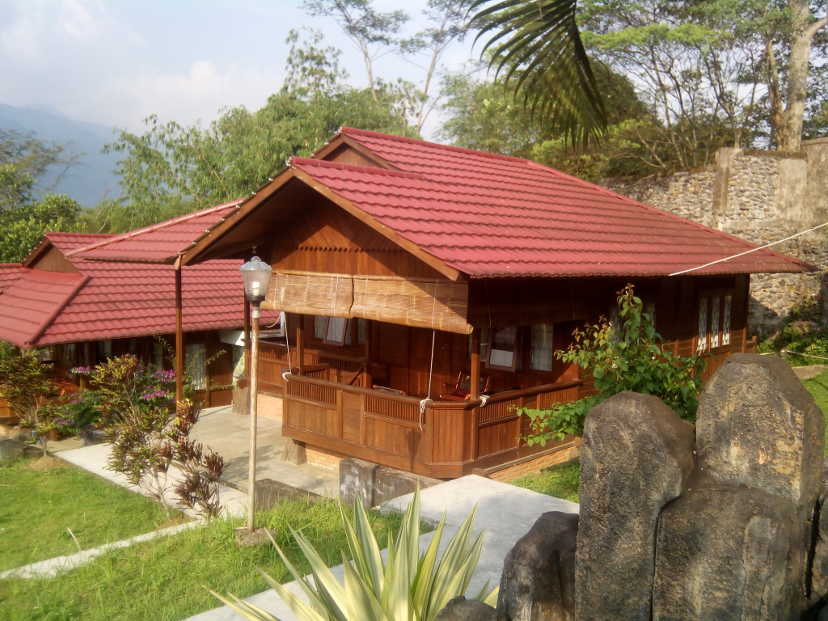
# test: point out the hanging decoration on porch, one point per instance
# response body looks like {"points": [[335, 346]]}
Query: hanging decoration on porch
{"points": [[420, 303]]}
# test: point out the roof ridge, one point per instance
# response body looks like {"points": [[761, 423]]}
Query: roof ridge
{"points": [[439, 145], [155, 227], [298, 161], [51, 233]]}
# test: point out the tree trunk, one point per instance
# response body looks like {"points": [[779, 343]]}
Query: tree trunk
{"points": [[803, 29]]}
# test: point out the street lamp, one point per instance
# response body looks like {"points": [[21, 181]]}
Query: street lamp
{"points": [[256, 276]]}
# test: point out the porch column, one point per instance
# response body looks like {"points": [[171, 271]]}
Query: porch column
{"points": [[87, 362], [300, 344], [179, 334], [474, 366]]}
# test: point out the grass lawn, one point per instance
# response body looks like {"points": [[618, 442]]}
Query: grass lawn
{"points": [[38, 506], [818, 387], [163, 579], [559, 481]]}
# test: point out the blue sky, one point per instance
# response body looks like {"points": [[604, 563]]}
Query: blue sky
{"points": [[115, 62]]}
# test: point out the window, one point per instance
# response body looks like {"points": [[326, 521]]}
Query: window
{"points": [[728, 303], [702, 343], [320, 327], [541, 347], [362, 331], [715, 304], [103, 350], [503, 352], [336, 331], [196, 357], [715, 320]]}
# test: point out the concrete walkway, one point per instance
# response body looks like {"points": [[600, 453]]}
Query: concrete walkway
{"points": [[504, 512], [229, 435], [53, 566]]}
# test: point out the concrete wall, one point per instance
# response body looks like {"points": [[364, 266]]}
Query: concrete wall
{"points": [[761, 196]]}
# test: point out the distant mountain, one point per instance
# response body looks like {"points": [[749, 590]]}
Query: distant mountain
{"points": [[92, 178]]}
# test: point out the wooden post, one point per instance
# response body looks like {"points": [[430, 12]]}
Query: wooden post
{"points": [[179, 334], [87, 362], [474, 366], [300, 344]]}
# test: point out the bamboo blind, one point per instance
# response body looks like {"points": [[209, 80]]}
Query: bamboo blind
{"points": [[420, 303]]}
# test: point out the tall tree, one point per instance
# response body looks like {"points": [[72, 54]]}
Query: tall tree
{"points": [[377, 34], [804, 21]]}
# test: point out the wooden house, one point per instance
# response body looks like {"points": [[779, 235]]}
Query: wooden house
{"points": [[427, 288], [79, 309]]}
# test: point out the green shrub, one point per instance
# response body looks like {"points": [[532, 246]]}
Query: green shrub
{"points": [[625, 356]]}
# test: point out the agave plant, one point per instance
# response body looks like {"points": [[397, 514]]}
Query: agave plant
{"points": [[406, 585]]}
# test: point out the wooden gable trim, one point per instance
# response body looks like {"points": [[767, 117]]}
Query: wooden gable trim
{"points": [[409, 246], [272, 187], [36, 252], [341, 140], [189, 256]]}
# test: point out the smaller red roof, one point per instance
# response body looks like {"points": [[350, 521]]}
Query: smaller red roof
{"points": [[160, 242], [9, 273], [31, 302]]}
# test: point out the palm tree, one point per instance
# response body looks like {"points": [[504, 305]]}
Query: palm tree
{"points": [[536, 46]]}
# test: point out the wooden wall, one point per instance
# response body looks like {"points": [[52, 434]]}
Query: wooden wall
{"points": [[400, 356], [328, 239], [53, 260]]}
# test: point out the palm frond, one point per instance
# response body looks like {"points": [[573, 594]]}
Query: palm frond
{"points": [[535, 46]]}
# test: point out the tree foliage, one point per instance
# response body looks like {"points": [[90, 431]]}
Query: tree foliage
{"points": [[172, 169]]}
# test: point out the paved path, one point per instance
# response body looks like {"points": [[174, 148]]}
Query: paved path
{"points": [[504, 512], [53, 566], [94, 459], [229, 435]]}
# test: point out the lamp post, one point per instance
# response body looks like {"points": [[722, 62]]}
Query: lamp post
{"points": [[256, 276]]}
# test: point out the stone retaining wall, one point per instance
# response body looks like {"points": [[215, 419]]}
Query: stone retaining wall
{"points": [[761, 196]]}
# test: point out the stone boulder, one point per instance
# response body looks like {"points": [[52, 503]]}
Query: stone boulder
{"points": [[538, 580], [818, 587], [726, 552], [636, 457], [757, 426], [356, 481], [462, 609]]}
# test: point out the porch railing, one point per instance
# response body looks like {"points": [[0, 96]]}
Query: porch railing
{"points": [[446, 439]]}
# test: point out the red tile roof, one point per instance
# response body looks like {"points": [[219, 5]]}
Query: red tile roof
{"points": [[29, 305], [131, 299], [9, 272], [158, 243], [489, 215], [108, 299]]}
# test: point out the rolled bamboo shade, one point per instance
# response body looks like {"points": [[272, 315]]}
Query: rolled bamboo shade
{"points": [[420, 303]]}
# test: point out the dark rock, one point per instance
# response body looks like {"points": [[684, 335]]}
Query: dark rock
{"points": [[636, 456], [356, 481], [538, 581], [726, 552], [462, 609], [391, 483], [818, 587], [11, 449], [757, 426]]}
